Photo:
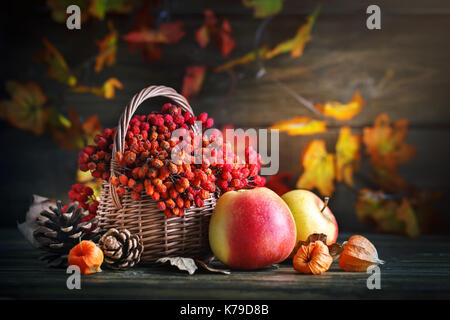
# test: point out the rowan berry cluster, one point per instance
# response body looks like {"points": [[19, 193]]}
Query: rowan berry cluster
{"points": [[84, 195], [148, 167]]}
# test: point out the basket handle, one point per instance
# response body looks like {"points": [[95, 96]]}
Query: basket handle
{"points": [[130, 109]]}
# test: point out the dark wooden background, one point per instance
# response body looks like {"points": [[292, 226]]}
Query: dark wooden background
{"points": [[402, 69]]}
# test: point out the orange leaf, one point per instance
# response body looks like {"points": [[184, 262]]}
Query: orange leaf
{"points": [[193, 81], [26, 109], [386, 148], [107, 48], [347, 155], [56, 64], [341, 111], [300, 126], [319, 170], [220, 35]]}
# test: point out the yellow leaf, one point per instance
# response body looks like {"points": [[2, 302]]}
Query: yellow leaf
{"points": [[296, 45], [300, 126], [342, 111], [319, 170], [347, 155], [107, 90]]}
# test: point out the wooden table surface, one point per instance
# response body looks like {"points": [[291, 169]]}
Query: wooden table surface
{"points": [[415, 268]]}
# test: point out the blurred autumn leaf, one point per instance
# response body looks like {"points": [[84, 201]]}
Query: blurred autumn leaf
{"points": [[348, 155], [76, 135], [386, 148], [410, 216], [342, 111], [280, 183], [221, 35], [26, 109], [59, 7], [300, 126], [107, 49], [89, 8], [318, 168], [193, 81], [99, 8], [264, 8], [107, 90], [56, 64], [294, 45]]}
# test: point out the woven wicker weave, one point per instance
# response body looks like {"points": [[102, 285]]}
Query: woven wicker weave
{"points": [[177, 236]]}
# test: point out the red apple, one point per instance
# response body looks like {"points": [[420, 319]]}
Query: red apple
{"points": [[311, 215], [251, 229]]}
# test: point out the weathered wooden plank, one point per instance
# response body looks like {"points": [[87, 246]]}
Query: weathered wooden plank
{"points": [[414, 269]]}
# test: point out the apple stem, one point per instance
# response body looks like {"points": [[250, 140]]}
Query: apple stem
{"points": [[325, 204]]}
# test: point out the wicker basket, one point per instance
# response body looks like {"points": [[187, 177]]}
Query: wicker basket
{"points": [[162, 237]]}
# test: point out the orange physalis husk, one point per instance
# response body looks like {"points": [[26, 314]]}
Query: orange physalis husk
{"points": [[87, 256], [313, 258], [359, 254]]}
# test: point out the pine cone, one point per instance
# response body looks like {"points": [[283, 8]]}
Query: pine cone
{"points": [[122, 250], [59, 232]]}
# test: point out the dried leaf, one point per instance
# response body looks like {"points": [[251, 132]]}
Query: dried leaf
{"points": [[386, 147], [406, 213], [99, 8], [398, 215], [91, 127], [211, 269], [107, 90], [193, 81], [348, 155], [221, 35], [107, 49], [70, 138], [342, 111], [26, 109], [249, 57], [59, 7], [300, 126], [319, 169], [183, 264], [56, 64], [296, 45], [264, 8]]}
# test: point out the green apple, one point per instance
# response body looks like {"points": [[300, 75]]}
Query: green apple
{"points": [[311, 215]]}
